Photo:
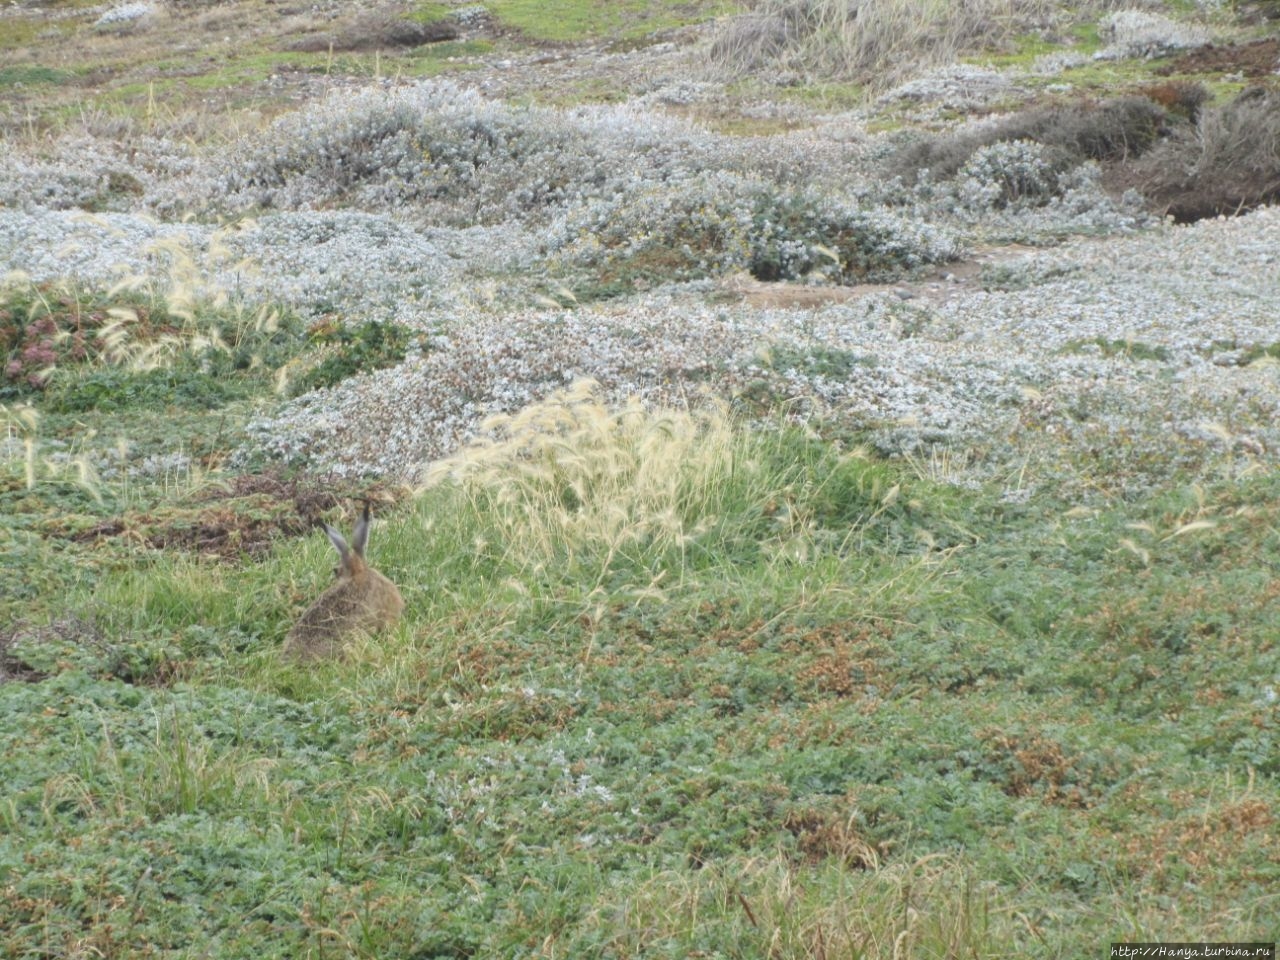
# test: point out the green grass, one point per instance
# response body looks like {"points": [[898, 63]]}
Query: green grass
{"points": [[19, 32], [1110, 75], [828, 94], [1085, 33], [437, 58], [429, 12], [1261, 353], [576, 20], [1128, 349], [665, 686], [25, 76]]}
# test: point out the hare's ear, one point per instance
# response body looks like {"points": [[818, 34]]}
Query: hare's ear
{"points": [[338, 542], [361, 534]]}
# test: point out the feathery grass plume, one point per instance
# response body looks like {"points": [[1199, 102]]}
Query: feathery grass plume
{"points": [[574, 491], [180, 307], [189, 291], [570, 481], [20, 423]]}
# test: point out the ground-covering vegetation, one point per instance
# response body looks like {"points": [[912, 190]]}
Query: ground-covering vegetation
{"points": [[666, 684], [1190, 160], [720, 654]]}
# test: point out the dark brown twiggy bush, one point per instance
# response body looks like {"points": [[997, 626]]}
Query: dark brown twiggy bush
{"points": [[1227, 163], [1107, 132]]}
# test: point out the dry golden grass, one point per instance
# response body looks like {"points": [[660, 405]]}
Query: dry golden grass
{"points": [[926, 908], [878, 43], [20, 452], [570, 476]]}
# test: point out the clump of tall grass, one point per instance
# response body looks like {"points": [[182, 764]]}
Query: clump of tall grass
{"points": [[20, 453], [879, 43], [571, 489], [569, 482], [201, 311], [928, 908]]}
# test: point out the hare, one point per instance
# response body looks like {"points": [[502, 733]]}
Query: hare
{"points": [[362, 600]]}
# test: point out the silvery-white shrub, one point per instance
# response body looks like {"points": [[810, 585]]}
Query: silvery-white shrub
{"points": [[1139, 33], [1006, 173], [123, 13]]}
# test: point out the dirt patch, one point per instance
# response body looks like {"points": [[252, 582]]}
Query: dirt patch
{"points": [[1255, 60], [377, 31], [242, 517]]}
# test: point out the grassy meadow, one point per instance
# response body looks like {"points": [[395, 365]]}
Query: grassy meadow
{"points": [[667, 687], [683, 677]]}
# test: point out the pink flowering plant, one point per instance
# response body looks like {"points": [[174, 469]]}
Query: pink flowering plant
{"points": [[46, 327]]}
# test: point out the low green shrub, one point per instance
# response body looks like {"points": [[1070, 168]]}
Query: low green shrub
{"points": [[113, 388], [346, 350], [28, 75]]}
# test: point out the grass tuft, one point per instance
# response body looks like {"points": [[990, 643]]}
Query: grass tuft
{"points": [[570, 491], [878, 43]]}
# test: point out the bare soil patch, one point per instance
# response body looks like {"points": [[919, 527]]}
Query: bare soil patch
{"points": [[1255, 60], [243, 517], [377, 31]]}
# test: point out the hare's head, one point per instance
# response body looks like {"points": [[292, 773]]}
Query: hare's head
{"points": [[359, 600], [350, 558]]}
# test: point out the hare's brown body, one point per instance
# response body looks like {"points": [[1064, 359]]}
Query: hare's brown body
{"points": [[361, 601]]}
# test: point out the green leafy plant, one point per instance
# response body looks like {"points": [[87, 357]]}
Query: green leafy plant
{"points": [[347, 349]]}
